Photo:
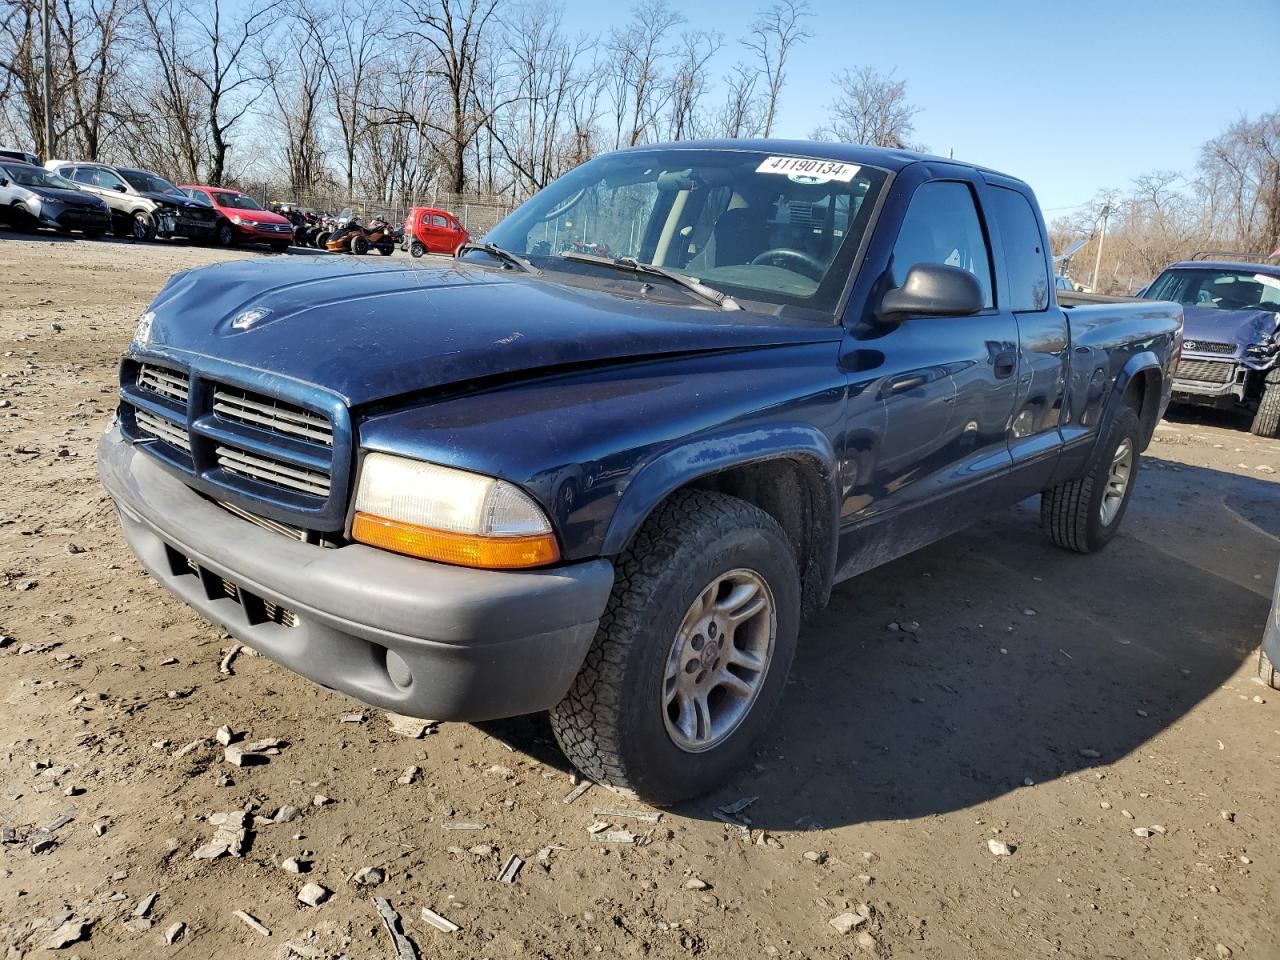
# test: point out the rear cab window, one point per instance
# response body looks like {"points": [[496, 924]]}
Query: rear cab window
{"points": [[1025, 251]]}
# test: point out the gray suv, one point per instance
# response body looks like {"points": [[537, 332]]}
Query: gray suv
{"points": [[143, 205]]}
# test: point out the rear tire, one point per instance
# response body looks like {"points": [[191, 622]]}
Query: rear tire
{"points": [[1084, 514], [1266, 422], [709, 583]]}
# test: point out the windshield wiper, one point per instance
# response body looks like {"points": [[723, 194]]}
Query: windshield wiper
{"points": [[696, 287], [499, 253]]}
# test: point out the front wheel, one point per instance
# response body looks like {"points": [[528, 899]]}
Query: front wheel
{"points": [[225, 234], [359, 245], [692, 651], [142, 227], [1266, 422], [416, 249], [1084, 514]]}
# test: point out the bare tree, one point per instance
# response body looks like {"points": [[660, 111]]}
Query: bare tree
{"points": [[297, 92], [689, 82], [93, 35], [872, 108], [215, 60], [740, 115], [1242, 166], [638, 52], [454, 32], [777, 30]]}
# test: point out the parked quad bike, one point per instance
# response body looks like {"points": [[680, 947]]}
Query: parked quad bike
{"points": [[351, 236]]}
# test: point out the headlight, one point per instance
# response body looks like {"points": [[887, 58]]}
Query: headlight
{"points": [[236, 218], [439, 513]]}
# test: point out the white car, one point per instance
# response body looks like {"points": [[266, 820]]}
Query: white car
{"points": [[143, 205], [32, 197]]}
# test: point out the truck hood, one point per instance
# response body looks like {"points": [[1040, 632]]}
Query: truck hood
{"points": [[1241, 327], [371, 332], [74, 198]]}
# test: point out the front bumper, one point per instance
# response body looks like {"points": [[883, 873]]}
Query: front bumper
{"points": [[1222, 379], [248, 233], [170, 224], [74, 218], [419, 638]]}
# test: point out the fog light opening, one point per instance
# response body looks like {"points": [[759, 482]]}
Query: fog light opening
{"points": [[398, 670]]}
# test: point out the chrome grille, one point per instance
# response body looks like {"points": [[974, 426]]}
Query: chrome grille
{"points": [[293, 533], [1210, 371], [267, 469], [173, 384], [272, 415], [162, 429], [1209, 346]]}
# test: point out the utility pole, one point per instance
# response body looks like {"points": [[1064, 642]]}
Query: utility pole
{"points": [[46, 38], [1097, 260]]}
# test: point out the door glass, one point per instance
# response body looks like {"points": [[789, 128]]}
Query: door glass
{"points": [[438, 221], [942, 226], [1023, 251], [109, 180]]}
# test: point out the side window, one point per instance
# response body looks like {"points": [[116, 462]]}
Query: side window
{"points": [[1024, 250], [942, 226], [438, 221], [78, 174], [109, 180]]}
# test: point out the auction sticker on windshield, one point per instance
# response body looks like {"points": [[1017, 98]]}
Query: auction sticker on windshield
{"points": [[806, 170]]}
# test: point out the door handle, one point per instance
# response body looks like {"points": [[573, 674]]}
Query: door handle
{"points": [[902, 384], [1006, 363]]}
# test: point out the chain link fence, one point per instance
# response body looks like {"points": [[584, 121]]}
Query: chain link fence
{"points": [[478, 212]]}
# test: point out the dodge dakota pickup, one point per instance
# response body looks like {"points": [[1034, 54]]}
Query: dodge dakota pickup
{"points": [[603, 462]]}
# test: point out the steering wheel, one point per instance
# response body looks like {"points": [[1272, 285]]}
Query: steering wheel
{"points": [[796, 261]]}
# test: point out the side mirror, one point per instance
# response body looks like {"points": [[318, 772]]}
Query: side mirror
{"points": [[122, 188], [4, 181], [934, 289]]}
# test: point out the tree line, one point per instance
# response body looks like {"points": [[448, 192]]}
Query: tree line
{"points": [[1229, 202], [461, 96]]}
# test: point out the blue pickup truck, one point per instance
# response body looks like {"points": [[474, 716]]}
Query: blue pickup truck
{"points": [[1231, 354], [603, 463]]}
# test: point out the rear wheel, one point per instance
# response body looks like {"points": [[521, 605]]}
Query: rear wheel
{"points": [[692, 652], [1084, 514], [1266, 422], [386, 249]]}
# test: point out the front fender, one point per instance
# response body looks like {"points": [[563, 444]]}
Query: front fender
{"points": [[715, 453]]}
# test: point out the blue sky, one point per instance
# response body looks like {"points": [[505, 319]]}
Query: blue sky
{"points": [[1072, 97]]}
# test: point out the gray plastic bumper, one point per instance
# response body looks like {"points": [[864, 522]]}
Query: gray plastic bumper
{"points": [[419, 638], [1271, 633]]}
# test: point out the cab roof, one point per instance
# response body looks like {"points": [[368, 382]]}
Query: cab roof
{"points": [[884, 157], [1267, 269]]}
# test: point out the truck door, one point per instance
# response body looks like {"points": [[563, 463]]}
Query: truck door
{"points": [[1043, 332], [946, 382]]}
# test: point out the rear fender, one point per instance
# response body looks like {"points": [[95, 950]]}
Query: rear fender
{"points": [[1144, 363]]}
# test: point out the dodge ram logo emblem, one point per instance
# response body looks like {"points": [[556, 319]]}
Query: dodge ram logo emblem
{"points": [[247, 319]]}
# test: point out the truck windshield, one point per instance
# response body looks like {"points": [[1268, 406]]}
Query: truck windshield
{"points": [[145, 182], [782, 229], [1224, 289]]}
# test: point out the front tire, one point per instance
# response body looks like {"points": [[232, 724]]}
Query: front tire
{"points": [[692, 652], [1084, 514], [1266, 422], [225, 234], [416, 249], [1267, 672], [142, 226], [359, 245]]}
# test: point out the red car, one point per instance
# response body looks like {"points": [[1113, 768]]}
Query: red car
{"points": [[241, 219], [428, 230]]}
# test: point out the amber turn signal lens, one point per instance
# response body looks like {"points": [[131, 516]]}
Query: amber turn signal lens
{"points": [[493, 553]]}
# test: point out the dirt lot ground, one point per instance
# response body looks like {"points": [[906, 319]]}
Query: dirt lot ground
{"points": [[1052, 701]]}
